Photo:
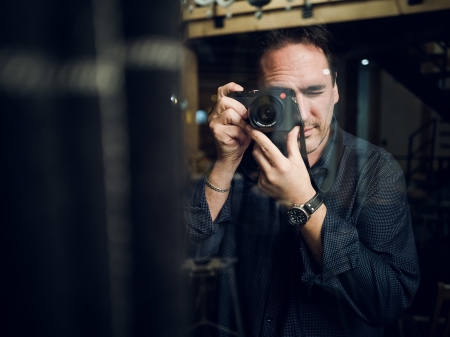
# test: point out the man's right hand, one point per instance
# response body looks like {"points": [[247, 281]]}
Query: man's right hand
{"points": [[227, 124]]}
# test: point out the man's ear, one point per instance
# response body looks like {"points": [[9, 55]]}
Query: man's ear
{"points": [[335, 90]]}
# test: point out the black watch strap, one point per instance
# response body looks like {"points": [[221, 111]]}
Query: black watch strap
{"points": [[313, 204]]}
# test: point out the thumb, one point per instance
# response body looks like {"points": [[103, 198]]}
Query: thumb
{"points": [[292, 144]]}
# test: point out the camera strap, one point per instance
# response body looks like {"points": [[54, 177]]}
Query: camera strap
{"points": [[334, 161]]}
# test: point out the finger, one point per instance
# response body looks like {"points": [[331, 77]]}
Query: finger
{"points": [[227, 89], [230, 125], [230, 103], [263, 162], [268, 149], [227, 134], [230, 117], [292, 144], [226, 103]]}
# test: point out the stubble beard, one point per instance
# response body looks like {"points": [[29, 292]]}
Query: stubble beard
{"points": [[313, 143]]}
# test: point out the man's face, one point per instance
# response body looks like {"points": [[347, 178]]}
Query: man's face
{"points": [[304, 69]]}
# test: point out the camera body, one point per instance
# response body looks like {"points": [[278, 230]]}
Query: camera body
{"points": [[275, 112], [270, 110]]}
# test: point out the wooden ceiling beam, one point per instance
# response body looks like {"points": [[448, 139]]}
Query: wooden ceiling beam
{"points": [[276, 16], [335, 12], [243, 7], [426, 6]]}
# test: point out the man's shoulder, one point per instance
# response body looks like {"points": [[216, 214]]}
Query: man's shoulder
{"points": [[355, 143], [368, 153]]}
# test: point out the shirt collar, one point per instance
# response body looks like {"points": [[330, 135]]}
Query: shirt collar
{"points": [[325, 158]]}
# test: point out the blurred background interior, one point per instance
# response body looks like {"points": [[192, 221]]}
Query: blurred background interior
{"points": [[103, 126]]}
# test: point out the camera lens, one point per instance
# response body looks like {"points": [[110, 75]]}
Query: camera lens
{"points": [[266, 111], [266, 114]]}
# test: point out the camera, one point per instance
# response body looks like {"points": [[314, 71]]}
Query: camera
{"points": [[274, 111], [270, 110]]}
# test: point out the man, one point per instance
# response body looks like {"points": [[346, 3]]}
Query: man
{"points": [[346, 269]]}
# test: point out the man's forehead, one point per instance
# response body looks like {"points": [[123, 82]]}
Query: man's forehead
{"points": [[294, 53], [297, 66]]}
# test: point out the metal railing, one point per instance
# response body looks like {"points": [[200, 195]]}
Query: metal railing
{"points": [[427, 147]]}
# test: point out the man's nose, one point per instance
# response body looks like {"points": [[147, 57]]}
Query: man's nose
{"points": [[303, 106]]}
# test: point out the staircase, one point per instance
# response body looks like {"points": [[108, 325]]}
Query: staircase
{"points": [[428, 163], [424, 69]]}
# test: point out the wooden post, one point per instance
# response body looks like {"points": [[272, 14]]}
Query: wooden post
{"points": [[189, 104]]}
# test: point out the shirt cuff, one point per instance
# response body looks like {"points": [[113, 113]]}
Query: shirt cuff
{"points": [[340, 251], [197, 216]]}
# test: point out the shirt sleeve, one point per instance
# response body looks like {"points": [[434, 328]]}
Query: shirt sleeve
{"points": [[370, 259], [204, 235]]}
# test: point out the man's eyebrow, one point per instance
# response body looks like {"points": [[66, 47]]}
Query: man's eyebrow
{"points": [[317, 87]]}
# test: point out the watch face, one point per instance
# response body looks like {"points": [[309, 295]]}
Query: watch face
{"points": [[297, 217]]}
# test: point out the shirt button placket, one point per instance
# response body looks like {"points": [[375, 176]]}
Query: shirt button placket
{"points": [[269, 327]]}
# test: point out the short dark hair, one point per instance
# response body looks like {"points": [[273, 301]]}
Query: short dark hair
{"points": [[317, 36]]}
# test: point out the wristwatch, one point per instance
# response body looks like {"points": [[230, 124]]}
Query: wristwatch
{"points": [[298, 215]]}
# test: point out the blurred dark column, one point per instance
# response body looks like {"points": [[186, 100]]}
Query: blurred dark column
{"points": [[54, 270], [54, 252], [157, 175]]}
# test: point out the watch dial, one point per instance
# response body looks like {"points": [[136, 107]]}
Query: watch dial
{"points": [[297, 216]]}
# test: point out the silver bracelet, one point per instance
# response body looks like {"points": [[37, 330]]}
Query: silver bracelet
{"points": [[211, 186]]}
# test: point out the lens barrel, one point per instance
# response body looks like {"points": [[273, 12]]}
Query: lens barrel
{"points": [[266, 111]]}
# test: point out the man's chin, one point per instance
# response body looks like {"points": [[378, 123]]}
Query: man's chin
{"points": [[312, 144], [308, 150]]}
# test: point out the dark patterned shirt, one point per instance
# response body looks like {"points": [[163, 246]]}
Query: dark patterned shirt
{"points": [[370, 270]]}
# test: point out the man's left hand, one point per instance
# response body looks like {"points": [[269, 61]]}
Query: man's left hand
{"points": [[283, 178]]}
